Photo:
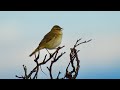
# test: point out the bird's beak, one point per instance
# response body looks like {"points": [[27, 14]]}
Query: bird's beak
{"points": [[61, 28]]}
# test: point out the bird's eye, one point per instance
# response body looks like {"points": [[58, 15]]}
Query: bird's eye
{"points": [[58, 29]]}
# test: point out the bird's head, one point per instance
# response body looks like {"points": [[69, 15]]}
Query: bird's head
{"points": [[56, 28]]}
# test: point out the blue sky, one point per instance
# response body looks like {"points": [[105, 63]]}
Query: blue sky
{"points": [[21, 32]]}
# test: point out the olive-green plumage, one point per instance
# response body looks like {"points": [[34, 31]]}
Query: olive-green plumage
{"points": [[51, 40]]}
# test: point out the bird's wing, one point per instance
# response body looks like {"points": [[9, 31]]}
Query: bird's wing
{"points": [[48, 37]]}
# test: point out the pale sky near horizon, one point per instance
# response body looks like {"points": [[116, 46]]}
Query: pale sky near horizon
{"points": [[21, 32]]}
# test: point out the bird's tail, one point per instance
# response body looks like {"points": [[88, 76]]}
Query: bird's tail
{"points": [[37, 49]]}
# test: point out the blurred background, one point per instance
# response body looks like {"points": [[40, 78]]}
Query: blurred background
{"points": [[21, 32]]}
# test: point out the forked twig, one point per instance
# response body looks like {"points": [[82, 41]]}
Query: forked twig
{"points": [[55, 57]]}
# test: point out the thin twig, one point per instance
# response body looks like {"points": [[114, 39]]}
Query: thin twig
{"points": [[52, 62], [73, 57], [68, 74], [35, 76], [58, 75], [36, 68]]}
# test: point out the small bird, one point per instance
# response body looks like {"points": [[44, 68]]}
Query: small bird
{"points": [[51, 40]]}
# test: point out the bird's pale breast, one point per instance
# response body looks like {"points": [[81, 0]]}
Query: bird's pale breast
{"points": [[56, 41]]}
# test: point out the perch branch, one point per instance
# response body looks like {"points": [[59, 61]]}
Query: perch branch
{"points": [[52, 62], [36, 68], [72, 74]]}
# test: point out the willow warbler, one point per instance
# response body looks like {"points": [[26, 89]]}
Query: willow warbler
{"points": [[51, 40]]}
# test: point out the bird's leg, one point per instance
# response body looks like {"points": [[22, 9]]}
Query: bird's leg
{"points": [[39, 53], [48, 52], [35, 55]]}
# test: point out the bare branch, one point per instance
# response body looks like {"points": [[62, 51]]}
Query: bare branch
{"points": [[77, 44], [52, 62], [73, 57], [19, 77], [72, 74], [35, 76], [58, 75], [36, 68]]}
